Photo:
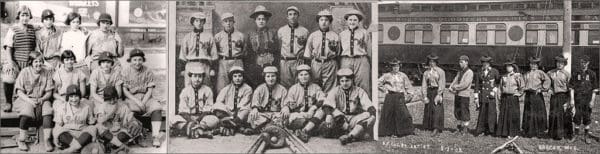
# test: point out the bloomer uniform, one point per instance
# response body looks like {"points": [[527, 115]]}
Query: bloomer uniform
{"points": [[23, 41], [34, 86], [268, 102], [76, 120], [355, 55], [230, 49], [137, 83], [99, 41], [434, 84], [352, 104], [236, 100], [322, 47], [509, 116], [48, 43], [559, 120], [583, 82], [303, 102], [198, 49], [97, 78], [293, 41], [62, 79], [535, 118], [195, 103]]}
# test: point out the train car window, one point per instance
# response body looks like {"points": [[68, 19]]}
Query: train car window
{"points": [[427, 37], [500, 36], [481, 37], [380, 33], [409, 36], [445, 37], [594, 37], [552, 37], [575, 37], [463, 37], [532, 37]]}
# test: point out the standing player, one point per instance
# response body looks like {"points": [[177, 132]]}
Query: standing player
{"points": [[322, 49], [266, 101], [261, 46], [103, 39], [18, 43], [433, 85], [301, 106], [230, 47], [395, 117], [48, 40], [348, 109], [585, 87], [511, 86], [561, 103], [460, 87], [198, 49], [34, 89], [535, 118], [293, 40], [355, 52], [138, 87], [486, 87]]}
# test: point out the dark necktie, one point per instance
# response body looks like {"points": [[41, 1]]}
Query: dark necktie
{"points": [[292, 40], [351, 42], [306, 97], [235, 98], [229, 44], [197, 50], [347, 92], [323, 43], [196, 104]]}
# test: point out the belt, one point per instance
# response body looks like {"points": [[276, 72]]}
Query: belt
{"points": [[322, 60], [432, 87], [355, 56], [229, 58], [289, 58]]}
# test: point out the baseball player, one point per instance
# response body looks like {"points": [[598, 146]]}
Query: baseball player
{"points": [[486, 87], [585, 87], [322, 49], [301, 107], [138, 87], [104, 76], [198, 49], [460, 87], [266, 101], [103, 39], [19, 42], [293, 40], [230, 47], [535, 117], [116, 125], [196, 101], [74, 122], [67, 75], [348, 110], [236, 99], [511, 87], [355, 53], [71, 39], [262, 44], [561, 101], [433, 86], [34, 89], [48, 40]]}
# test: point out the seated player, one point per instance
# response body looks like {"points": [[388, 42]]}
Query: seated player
{"points": [[34, 88], [196, 100], [138, 86], [67, 75], [301, 107], [105, 75], [348, 110], [116, 125], [236, 98], [74, 122], [266, 102]]}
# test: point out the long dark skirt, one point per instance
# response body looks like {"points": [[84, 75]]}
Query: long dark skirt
{"points": [[486, 121], [510, 118], [535, 119], [433, 115], [395, 117], [560, 122]]}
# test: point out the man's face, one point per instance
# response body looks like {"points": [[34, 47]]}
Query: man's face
{"points": [[270, 78], [324, 23], [199, 23], [48, 22], [261, 21], [136, 62], [303, 77], [237, 78], [228, 24], [292, 16], [196, 79], [345, 82], [584, 64], [352, 21]]}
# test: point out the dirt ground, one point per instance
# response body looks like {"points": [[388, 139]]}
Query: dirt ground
{"points": [[448, 142], [239, 143]]}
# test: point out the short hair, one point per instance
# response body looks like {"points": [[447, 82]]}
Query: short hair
{"points": [[72, 16], [21, 8], [67, 54], [230, 74], [33, 56]]}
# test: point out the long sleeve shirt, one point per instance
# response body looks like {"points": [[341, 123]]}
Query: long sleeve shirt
{"points": [[234, 98], [434, 77], [265, 98], [293, 40], [396, 82], [462, 82], [355, 42], [194, 100], [351, 101], [230, 44], [99, 41], [584, 82], [262, 41], [322, 45], [537, 80], [486, 80], [48, 42], [198, 46], [299, 98], [512, 83], [560, 80]]}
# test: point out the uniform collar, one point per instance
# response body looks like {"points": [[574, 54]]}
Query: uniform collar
{"points": [[229, 32], [264, 29], [354, 29], [324, 31], [293, 26], [196, 30]]}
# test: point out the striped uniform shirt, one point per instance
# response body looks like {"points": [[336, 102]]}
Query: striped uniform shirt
{"points": [[23, 41]]}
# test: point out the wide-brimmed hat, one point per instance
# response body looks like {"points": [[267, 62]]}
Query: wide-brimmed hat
{"points": [[359, 14], [560, 58], [394, 61], [260, 10], [486, 59], [535, 60], [464, 57]]}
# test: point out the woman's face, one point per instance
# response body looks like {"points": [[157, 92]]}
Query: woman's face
{"points": [[228, 24], [463, 63], [106, 65], [303, 77], [68, 63], [261, 21], [48, 22], [237, 78], [270, 78], [74, 99], [345, 82], [38, 64], [324, 23], [396, 67], [75, 23], [533, 65], [432, 63], [24, 17], [198, 23], [196, 79], [509, 68], [137, 62], [560, 65], [104, 25], [352, 21]]}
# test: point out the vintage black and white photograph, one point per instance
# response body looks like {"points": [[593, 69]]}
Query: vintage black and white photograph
{"points": [[513, 76], [275, 77], [76, 77]]}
